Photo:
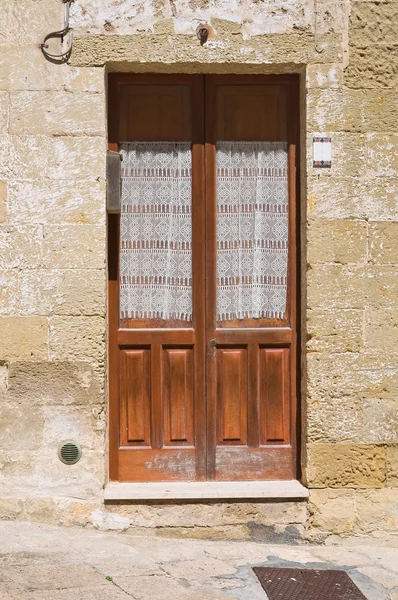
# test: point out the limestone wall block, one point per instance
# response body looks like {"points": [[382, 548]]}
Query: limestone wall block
{"points": [[380, 420], [346, 465], [42, 156], [4, 111], [145, 52], [28, 20], [334, 330], [377, 510], [74, 247], [324, 76], [62, 292], [21, 247], [332, 511], [43, 75], [337, 241], [333, 286], [74, 157], [373, 23], [373, 67], [334, 375], [348, 155], [381, 155], [205, 515], [23, 338], [349, 198], [56, 201], [20, 429], [55, 383], [352, 286], [77, 339], [3, 200], [383, 240], [8, 292], [57, 113], [71, 423], [332, 418], [11, 508], [381, 330], [361, 111], [392, 466], [361, 375]]}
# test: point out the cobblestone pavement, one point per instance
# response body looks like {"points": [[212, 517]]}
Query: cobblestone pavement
{"points": [[42, 562]]}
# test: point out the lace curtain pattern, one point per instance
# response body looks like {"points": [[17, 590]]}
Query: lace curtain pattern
{"points": [[156, 231], [252, 230]]}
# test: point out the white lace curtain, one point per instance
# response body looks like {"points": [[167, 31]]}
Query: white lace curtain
{"points": [[252, 230], [156, 231]]}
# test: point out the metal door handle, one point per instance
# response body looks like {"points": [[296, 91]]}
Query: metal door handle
{"points": [[213, 343]]}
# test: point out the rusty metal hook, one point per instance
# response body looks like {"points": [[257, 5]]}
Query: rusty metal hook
{"points": [[63, 56]]}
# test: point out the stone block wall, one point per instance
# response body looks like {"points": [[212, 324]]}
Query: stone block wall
{"points": [[53, 248]]}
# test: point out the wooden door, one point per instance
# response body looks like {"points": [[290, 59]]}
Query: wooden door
{"points": [[208, 397], [251, 362]]}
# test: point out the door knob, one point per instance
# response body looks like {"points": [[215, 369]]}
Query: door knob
{"points": [[213, 343]]}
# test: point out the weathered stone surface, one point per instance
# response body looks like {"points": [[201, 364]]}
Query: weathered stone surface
{"points": [[41, 75], [332, 511], [54, 383], [392, 466], [334, 330], [57, 113], [77, 338], [353, 198], [352, 286], [346, 465], [23, 338], [62, 292], [8, 292], [40, 156], [372, 67], [381, 330], [3, 200], [380, 420], [381, 157], [377, 510], [337, 242], [268, 514], [145, 52], [4, 110], [351, 110], [373, 23], [324, 76], [383, 240], [348, 155], [80, 246], [21, 247], [54, 202], [29, 425]]}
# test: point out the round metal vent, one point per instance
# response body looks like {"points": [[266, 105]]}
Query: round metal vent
{"points": [[69, 452]]}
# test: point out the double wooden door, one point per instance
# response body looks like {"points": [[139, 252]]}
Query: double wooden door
{"points": [[206, 390]]}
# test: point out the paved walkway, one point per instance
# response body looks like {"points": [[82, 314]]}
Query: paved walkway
{"points": [[41, 562]]}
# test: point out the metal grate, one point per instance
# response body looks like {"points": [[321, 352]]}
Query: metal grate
{"points": [[305, 584], [69, 452]]}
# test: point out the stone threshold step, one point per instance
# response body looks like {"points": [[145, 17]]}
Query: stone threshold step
{"points": [[206, 490]]}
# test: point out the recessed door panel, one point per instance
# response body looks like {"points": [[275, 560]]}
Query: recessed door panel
{"points": [[178, 396]]}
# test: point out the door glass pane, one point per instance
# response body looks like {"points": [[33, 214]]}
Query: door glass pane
{"points": [[156, 231], [252, 230]]}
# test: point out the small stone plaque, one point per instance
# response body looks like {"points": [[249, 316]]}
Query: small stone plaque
{"points": [[322, 151]]}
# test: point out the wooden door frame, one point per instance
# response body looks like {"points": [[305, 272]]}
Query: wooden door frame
{"points": [[114, 80]]}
